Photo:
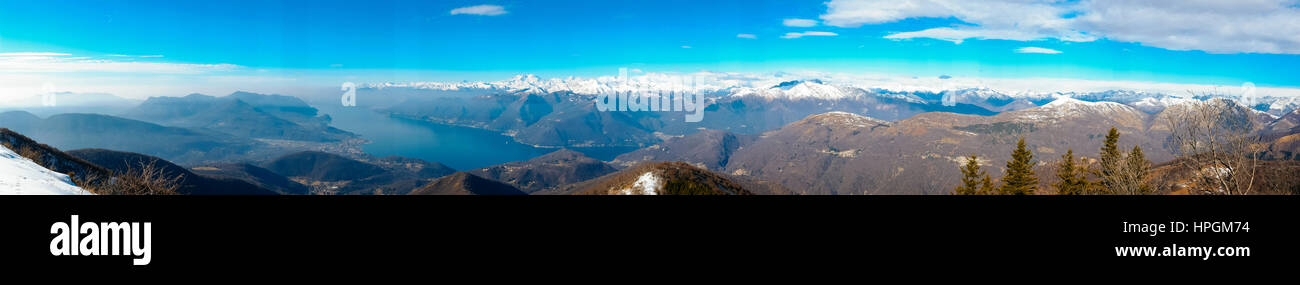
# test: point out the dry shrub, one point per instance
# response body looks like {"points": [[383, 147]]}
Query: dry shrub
{"points": [[32, 154], [146, 179]]}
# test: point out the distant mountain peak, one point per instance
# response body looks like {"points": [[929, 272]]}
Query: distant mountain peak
{"points": [[1067, 108], [561, 154], [802, 89], [792, 83], [1068, 104], [839, 118], [193, 96], [664, 178], [464, 183]]}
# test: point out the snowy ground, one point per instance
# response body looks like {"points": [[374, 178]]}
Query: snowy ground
{"points": [[21, 176], [647, 184]]}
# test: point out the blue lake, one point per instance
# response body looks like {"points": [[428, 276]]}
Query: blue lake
{"points": [[462, 148]]}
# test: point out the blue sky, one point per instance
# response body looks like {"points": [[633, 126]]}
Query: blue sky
{"points": [[399, 40]]}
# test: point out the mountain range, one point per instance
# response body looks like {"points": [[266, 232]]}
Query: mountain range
{"points": [[241, 114], [70, 102], [464, 183], [845, 153], [805, 136], [75, 131], [559, 112], [194, 129]]}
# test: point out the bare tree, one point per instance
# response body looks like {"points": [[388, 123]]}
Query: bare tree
{"points": [[1129, 175], [1213, 139]]}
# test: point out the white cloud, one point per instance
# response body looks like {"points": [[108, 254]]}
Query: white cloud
{"points": [[29, 54], [47, 62], [1003, 20], [1257, 26], [1248, 26], [1037, 50], [809, 33], [481, 10], [686, 46], [958, 35], [803, 23], [746, 36], [135, 56]]}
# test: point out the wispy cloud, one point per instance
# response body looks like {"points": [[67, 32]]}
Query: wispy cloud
{"points": [[1037, 50], [135, 56], [803, 23], [481, 10], [49, 62], [747, 36], [686, 46], [809, 33], [27, 54]]}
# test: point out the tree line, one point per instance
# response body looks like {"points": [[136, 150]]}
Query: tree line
{"points": [[1116, 172]]}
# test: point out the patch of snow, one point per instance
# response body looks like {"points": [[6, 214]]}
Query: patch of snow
{"points": [[961, 160], [844, 153], [21, 176], [646, 184], [847, 119]]}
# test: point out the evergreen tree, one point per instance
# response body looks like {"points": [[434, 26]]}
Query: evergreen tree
{"points": [[986, 187], [1109, 163], [1020, 178], [1072, 180], [970, 177], [1137, 165]]}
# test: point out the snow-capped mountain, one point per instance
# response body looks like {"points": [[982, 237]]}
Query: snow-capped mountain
{"points": [[801, 89], [1118, 96], [1283, 106], [1156, 104], [21, 176], [1066, 108], [559, 111], [973, 94], [532, 84]]}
